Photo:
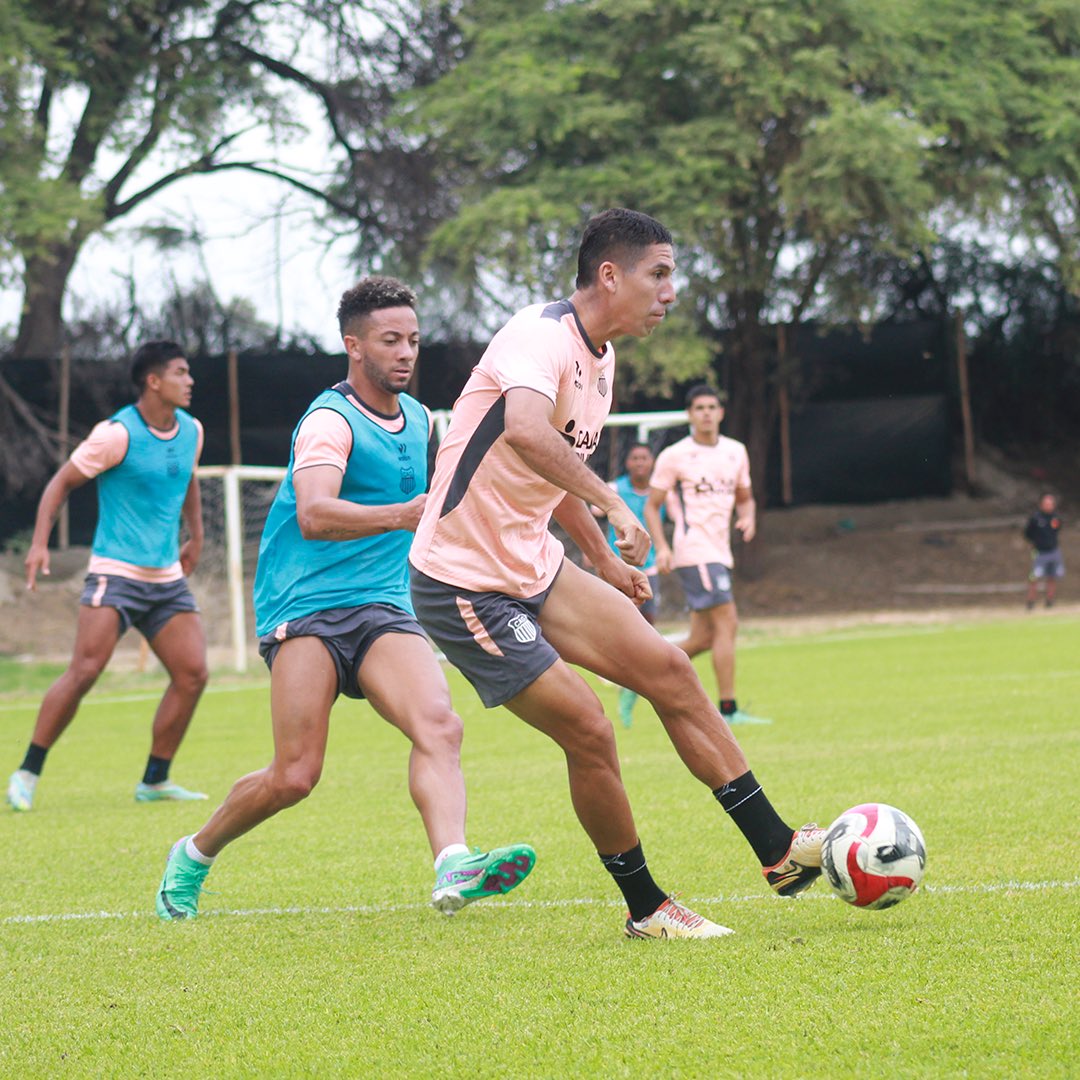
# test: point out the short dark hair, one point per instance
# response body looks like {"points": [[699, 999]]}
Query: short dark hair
{"points": [[618, 235], [153, 356], [704, 390], [637, 446], [372, 294]]}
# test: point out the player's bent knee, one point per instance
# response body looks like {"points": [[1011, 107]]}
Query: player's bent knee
{"points": [[84, 673], [669, 667], [294, 785], [592, 742], [191, 682], [439, 732]]}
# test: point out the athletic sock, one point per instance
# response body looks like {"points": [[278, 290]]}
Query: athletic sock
{"points": [[34, 761], [728, 706], [748, 806], [157, 770], [450, 849], [194, 853], [643, 896]]}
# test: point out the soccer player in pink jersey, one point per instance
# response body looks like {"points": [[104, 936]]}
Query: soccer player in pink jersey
{"points": [[143, 458], [493, 588], [702, 479]]}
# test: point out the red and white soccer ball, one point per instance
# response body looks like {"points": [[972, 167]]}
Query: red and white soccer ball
{"points": [[873, 856]]}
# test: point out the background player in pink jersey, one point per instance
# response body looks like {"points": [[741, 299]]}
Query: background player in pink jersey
{"points": [[144, 460], [702, 479], [633, 488], [493, 588]]}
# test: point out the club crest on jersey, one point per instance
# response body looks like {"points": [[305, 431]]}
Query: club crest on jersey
{"points": [[601, 385], [408, 480], [523, 628]]}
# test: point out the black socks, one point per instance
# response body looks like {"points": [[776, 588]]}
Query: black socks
{"points": [[750, 809], [157, 770], [34, 761], [643, 896]]}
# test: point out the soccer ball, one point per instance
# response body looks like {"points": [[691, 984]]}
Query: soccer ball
{"points": [[873, 856]]}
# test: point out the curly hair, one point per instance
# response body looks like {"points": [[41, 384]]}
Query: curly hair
{"points": [[372, 294]]}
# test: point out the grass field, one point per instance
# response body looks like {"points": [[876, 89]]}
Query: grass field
{"points": [[318, 955]]}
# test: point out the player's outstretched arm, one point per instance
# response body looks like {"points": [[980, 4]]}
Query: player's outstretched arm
{"points": [[64, 481], [529, 432], [576, 518], [323, 515], [745, 513], [655, 525], [191, 512]]}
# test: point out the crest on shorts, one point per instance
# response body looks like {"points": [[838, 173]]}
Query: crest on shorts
{"points": [[523, 628], [408, 480]]}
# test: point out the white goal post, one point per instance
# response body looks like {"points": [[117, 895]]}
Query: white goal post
{"points": [[236, 499]]}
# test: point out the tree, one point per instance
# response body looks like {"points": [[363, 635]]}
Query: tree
{"points": [[163, 90], [105, 105], [789, 145]]}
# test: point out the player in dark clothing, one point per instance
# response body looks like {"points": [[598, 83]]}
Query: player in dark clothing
{"points": [[1047, 564]]}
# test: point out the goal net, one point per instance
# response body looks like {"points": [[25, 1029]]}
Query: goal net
{"points": [[235, 502]]}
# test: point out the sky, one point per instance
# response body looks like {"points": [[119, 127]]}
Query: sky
{"points": [[259, 240], [259, 244]]}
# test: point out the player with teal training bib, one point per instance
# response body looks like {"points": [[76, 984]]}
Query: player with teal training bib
{"points": [[144, 459], [633, 488], [334, 616]]}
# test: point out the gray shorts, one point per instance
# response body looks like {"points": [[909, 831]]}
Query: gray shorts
{"points": [[1046, 564], [706, 586], [146, 605], [347, 633], [494, 640], [651, 608]]}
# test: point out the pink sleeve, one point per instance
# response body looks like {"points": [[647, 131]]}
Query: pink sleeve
{"points": [[324, 438], [535, 360], [743, 478], [104, 448], [665, 471]]}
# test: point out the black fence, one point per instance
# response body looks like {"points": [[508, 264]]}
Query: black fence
{"points": [[871, 418]]}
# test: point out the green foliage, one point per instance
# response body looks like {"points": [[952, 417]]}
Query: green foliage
{"points": [[797, 149], [318, 955], [107, 104]]}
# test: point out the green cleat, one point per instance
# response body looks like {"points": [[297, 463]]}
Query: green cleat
{"points": [[740, 717], [20, 790], [178, 894], [465, 878], [169, 791]]}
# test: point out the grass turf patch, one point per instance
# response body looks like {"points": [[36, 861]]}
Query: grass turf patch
{"points": [[340, 968]]}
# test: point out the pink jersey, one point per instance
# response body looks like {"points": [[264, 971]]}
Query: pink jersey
{"points": [[104, 448], [702, 481], [485, 525]]}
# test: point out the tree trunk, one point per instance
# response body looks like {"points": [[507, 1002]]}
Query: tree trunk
{"points": [[748, 412], [44, 283]]}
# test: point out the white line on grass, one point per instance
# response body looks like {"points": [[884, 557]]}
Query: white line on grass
{"points": [[389, 909], [123, 699]]}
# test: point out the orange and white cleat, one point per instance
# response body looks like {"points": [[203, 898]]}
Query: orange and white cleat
{"points": [[801, 865], [673, 920]]}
